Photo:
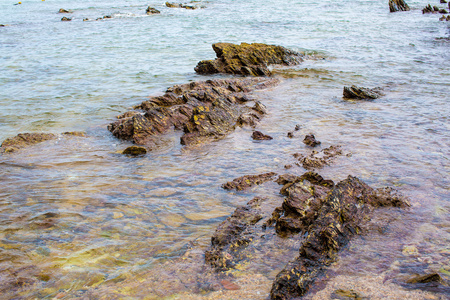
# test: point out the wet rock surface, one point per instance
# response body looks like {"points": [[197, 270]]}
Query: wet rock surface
{"points": [[356, 92], [259, 136], [23, 140], [322, 215], [247, 59], [152, 11], [318, 159], [135, 151], [204, 110], [181, 5], [398, 5], [248, 181], [310, 140]]}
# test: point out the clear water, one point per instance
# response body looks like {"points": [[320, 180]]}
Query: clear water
{"points": [[74, 209]]}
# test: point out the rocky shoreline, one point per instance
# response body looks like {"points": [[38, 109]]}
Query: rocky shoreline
{"points": [[318, 215]]}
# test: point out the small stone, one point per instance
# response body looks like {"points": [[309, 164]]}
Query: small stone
{"points": [[64, 11], [443, 11], [152, 11], [135, 150], [287, 167], [410, 250], [311, 141], [425, 278], [75, 133], [229, 285], [443, 1], [345, 295], [258, 135], [65, 19], [297, 127], [355, 92], [290, 134]]}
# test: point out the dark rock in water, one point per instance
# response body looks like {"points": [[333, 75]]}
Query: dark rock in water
{"points": [[398, 5], [290, 134], [321, 215], [258, 135], [203, 110], [180, 5], [330, 217], [75, 133], [107, 17], [66, 19], [355, 92], [247, 59], [248, 181], [230, 236], [64, 11], [23, 140], [346, 295], [310, 140], [443, 1], [443, 11], [297, 127], [317, 160], [135, 150], [152, 11], [427, 9], [425, 278]]}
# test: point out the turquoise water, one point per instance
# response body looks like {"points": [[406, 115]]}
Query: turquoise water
{"points": [[73, 209]]}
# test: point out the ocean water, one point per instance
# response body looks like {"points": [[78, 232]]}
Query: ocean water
{"points": [[77, 217]]}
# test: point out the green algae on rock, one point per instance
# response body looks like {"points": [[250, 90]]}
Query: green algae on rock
{"points": [[248, 59], [204, 110]]}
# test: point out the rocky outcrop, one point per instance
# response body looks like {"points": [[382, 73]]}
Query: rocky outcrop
{"points": [[322, 215], [64, 11], [398, 5], [247, 59], [356, 92], [248, 181], [204, 110], [181, 5]]}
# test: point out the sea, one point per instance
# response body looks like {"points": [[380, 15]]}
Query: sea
{"points": [[79, 220]]}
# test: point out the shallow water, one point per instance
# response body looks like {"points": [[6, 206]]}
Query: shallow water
{"points": [[77, 216]]}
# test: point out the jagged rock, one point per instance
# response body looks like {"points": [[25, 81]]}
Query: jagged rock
{"points": [[64, 11], [152, 11], [318, 159], [398, 5], [290, 134], [434, 277], [247, 59], [180, 5], [330, 217], [66, 19], [319, 215], [427, 9], [258, 135], [203, 110], [23, 140], [355, 92], [135, 151], [435, 8], [248, 181], [443, 1], [310, 140], [443, 11]]}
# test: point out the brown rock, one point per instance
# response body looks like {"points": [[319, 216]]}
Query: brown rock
{"points": [[398, 5], [247, 59], [258, 135], [135, 151], [317, 160], [23, 140], [152, 11], [248, 181], [311, 141], [355, 92]]}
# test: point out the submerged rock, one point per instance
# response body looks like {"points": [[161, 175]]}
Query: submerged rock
{"points": [[317, 160], [66, 19], [180, 5], [152, 11], [135, 151], [258, 135], [247, 59], [64, 11], [321, 215], [355, 92], [203, 110], [248, 181], [23, 140], [311, 141], [398, 5]]}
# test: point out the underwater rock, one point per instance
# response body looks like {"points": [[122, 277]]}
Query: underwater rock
{"points": [[180, 5], [75, 133], [258, 135], [425, 278], [247, 59], [204, 110], [398, 5], [23, 140], [346, 295], [135, 151], [152, 11], [248, 181], [355, 92], [321, 215], [311, 141], [330, 216], [318, 159], [64, 11], [66, 19]]}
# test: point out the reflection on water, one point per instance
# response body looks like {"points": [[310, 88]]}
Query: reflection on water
{"points": [[77, 218]]}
